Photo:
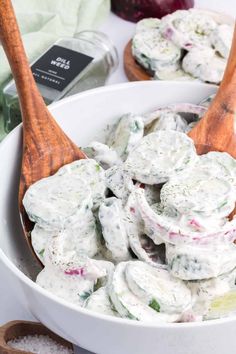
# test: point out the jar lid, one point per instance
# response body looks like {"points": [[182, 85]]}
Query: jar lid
{"points": [[101, 40]]}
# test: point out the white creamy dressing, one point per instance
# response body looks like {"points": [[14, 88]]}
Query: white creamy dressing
{"points": [[149, 237], [204, 64]]}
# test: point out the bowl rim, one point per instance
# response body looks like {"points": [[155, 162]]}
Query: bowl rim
{"points": [[80, 310]]}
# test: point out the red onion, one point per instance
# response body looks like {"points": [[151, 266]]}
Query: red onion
{"points": [[135, 10]]}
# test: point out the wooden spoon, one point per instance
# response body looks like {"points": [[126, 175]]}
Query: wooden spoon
{"points": [[216, 131], [45, 146], [16, 329]]}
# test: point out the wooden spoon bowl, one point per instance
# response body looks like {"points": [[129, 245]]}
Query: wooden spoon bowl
{"points": [[45, 146], [16, 329]]}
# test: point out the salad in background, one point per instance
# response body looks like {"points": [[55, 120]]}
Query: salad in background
{"points": [[185, 45]]}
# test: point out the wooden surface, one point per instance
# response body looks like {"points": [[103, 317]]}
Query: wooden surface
{"points": [[216, 130], [16, 329], [133, 71], [45, 146]]}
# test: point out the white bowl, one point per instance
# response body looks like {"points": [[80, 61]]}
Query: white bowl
{"points": [[82, 117]]}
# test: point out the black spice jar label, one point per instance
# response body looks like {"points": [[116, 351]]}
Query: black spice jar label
{"points": [[59, 66]]}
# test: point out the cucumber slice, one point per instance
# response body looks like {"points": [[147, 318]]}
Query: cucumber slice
{"points": [[190, 262], [222, 164], [119, 182], [188, 29], [159, 156], [147, 24], [204, 64], [58, 201], [157, 288], [82, 239], [126, 134], [222, 306], [99, 302], [167, 121], [129, 305], [111, 217], [190, 112], [103, 154], [206, 293], [154, 52], [199, 192], [91, 172], [152, 193], [142, 246], [72, 288], [221, 39], [39, 240], [169, 225], [64, 259]]}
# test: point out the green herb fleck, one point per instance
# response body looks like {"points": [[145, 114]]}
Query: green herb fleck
{"points": [[98, 168], [154, 305], [41, 253], [135, 127], [222, 205], [85, 295]]}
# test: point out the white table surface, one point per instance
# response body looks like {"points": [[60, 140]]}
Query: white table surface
{"points": [[120, 32]]}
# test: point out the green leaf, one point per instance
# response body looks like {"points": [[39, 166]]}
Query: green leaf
{"points": [[154, 305]]}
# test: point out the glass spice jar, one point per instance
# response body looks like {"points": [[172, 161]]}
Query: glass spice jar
{"points": [[69, 66], [135, 10]]}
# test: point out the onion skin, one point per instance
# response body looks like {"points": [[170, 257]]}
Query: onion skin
{"points": [[136, 10]]}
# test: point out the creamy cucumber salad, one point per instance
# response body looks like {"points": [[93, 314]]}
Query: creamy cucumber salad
{"points": [[185, 45], [141, 229]]}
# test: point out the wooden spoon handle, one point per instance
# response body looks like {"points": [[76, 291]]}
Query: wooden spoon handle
{"points": [[216, 131]]}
